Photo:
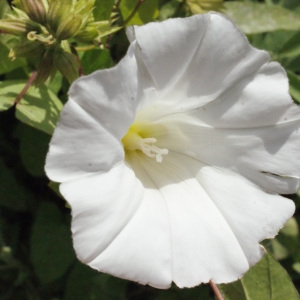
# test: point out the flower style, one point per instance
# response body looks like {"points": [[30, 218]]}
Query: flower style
{"points": [[173, 160]]}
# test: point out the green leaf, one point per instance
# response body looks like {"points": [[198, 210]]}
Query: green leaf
{"points": [[102, 9], [204, 6], [86, 283], [168, 9], [259, 17], [290, 4], [39, 108], [111, 288], [8, 93], [286, 242], [296, 267], [292, 46], [6, 63], [294, 85], [13, 192], [51, 245], [147, 12], [54, 186], [80, 282], [266, 280], [96, 59], [56, 83], [4, 9], [201, 292], [31, 140]]}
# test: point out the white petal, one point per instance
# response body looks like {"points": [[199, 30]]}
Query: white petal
{"points": [[262, 154], [259, 100], [142, 250], [176, 41], [190, 74], [97, 115], [203, 245], [215, 233], [99, 209], [119, 227], [252, 214]]}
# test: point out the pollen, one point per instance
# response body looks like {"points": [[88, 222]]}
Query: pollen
{"points": [[134, 141]]}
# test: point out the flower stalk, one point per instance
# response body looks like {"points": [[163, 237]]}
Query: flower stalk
{"points": [[26, 87], [140, 2], [216, 290]]}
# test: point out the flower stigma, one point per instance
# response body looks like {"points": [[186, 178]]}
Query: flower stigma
{"points": [[134, 140]]}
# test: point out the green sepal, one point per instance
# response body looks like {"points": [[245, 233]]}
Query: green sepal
{"points": [[69, 27], [57, 13], [18, 26], [45, 68], [84, 9], [35, 10], [26, 49], [86, 35], [66, 64]]}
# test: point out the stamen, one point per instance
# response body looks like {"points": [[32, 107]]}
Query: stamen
{"points": [[133, 141], [152, 151]]}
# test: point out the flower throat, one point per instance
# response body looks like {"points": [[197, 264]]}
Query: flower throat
{"points": [[134, 140]]}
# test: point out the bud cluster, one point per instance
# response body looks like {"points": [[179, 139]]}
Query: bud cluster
{"points": [[44, 26]]}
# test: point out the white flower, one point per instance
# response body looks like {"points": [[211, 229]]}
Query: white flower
{"points": [[211, 137]]}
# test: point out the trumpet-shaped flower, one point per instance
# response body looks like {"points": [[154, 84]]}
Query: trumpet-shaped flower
{"points": [[173, 161]]}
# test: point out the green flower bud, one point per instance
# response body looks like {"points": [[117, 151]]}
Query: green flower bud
{"points": [[18, 27], [66, 64], [84, 9], [87, 34], [57, 13], [26, 49], [35, 10], [45, 68], [69, 27]]}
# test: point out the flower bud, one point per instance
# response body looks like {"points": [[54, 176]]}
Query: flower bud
{"points": [[18, 27], [87, 34], [66, 64], [68, 27], [84, 9], [26, 49], [35, 10], [45, 68], [57, 13]]}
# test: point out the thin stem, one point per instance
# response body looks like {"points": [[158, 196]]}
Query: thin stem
{"points": [[117, 5], [216, 290], [26, 87], [85, 48], [133, 13], [80, 68]]}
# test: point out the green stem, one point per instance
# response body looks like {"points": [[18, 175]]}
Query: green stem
{"points": [[117, 5], [140, 2], [80, 69], [85, 48]]}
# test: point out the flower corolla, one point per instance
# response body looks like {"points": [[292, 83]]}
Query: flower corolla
{"points": [[173, 160]]}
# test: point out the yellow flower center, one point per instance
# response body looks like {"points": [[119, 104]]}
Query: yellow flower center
{"points": [[135, 140]]}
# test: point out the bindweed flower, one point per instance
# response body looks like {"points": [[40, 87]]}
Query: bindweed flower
{"points": [[173, 160]]}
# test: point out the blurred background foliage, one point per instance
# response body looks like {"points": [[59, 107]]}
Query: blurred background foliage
{"points": [[37, 260]]}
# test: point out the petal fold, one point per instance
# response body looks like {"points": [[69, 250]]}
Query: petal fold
{"points": [[195, 60], [122, 231], [94, 120]]}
